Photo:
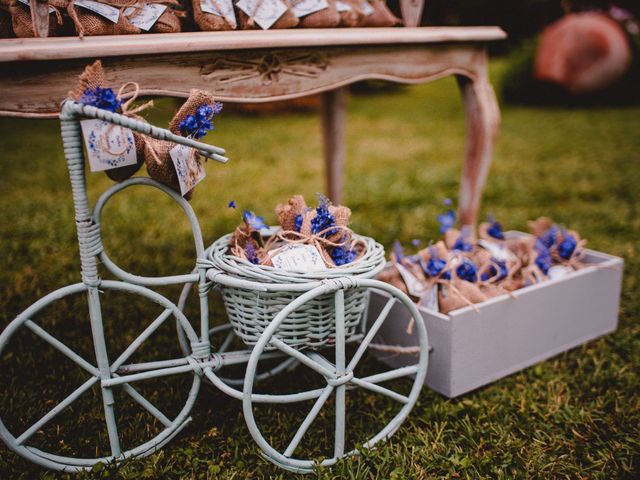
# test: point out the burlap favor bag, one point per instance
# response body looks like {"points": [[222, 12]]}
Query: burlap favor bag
{"points": [[350, 14], [210, 22], [93, 77], [381, 16], [168, 22], [23, 26], [90, 23], [157, 152], [325, 18], [6, 30], [287, 20]]}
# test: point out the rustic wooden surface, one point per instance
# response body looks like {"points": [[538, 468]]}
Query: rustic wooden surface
{"points": [[253, 66]]}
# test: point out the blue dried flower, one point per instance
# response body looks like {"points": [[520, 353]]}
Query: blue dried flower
{"points": [[253, 220], [567, 246], [415, 242], [188, 125], [550, 237], [323, 220], [495, 230], [447, 220], [467, 270], [250, 252], [199, 124], [543, 260], [217, 108], [434, 266], [342, 256], [204, 112], [104, 98], [398, 251], [232, 204], [462, 245], [494, 273], [298, 222], [447, 202]]}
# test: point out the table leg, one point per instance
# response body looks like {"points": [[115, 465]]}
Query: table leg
{"points": [[334, 104], [483, 121]]}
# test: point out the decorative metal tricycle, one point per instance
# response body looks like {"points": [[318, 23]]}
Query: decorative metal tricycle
{"points": [[285, 319]]}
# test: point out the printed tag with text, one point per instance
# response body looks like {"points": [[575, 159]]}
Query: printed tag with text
{"points": [[109, 146], [144, 18], [342, 7], [268, 12], [106, 11], [221, 8], [307, 7], [297, 258], [184, 158]]}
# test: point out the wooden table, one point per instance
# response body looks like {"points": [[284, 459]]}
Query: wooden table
{"points": [[264, 66]]}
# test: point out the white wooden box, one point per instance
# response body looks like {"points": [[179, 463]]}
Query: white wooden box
{"points": [[470, 349]]}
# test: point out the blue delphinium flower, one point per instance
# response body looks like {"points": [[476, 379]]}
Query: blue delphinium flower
{"points": [[567, 246], [493, 273], [467, 270], [104, 98], [398, 251], [323, 219], [232, 204], [415, 242], [200, 123], [549, 237], [462, 245], [433, 267], [543, 260], [253, 220], [297, 226], [495, 229], [250, 252], [342, 256], [447, 220]]}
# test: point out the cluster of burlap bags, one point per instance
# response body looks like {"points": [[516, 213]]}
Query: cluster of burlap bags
{"points": [[462, 269], [325, 227], [69, 18]]}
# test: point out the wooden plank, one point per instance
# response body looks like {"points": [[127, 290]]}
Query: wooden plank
{"points": [[27, 49]]}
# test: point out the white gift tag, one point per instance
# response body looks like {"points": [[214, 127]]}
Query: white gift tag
{"points": [[183, 157], [307, 7], [268, 13], [297, 258], [558, 271], [342, 7], [429, 299], [144, 18], [109, 146], [366, 8], [414, 285], [106, 11], [498, 251], [221, 8], [26, 2]]}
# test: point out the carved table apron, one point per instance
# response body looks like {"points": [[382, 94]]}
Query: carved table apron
{"points": [[257, 66]]}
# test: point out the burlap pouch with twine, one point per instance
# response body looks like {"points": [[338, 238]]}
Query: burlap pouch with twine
{"points": [[6, 29], [381, 16], [325, 18], [168, 22], [352, 17], [287, 20], [209, 22], [92, 77], [157, 157], [23, 26], [90, 23]]}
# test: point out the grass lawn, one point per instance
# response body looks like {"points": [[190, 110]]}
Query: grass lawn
{"points": [[574, 416]]}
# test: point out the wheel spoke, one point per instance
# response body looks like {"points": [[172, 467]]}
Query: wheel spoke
{"points": [[340, 370], [391, 374], [62, 348], [56, 410], [304, 359], [141, 338], [370, 334], [227, 341], [378, 389], [308, 421], [147, 405]]}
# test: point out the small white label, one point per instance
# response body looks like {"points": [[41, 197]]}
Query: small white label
{"points": [[221, 8], [429, 299], [267, 14], [558, 271], [26, 2], [184, 159], [415, 287], [342, 7], [366, 8], [106, 11], [109, 146], [144, 18], [297, 258], [307, 7], [498, 251]]}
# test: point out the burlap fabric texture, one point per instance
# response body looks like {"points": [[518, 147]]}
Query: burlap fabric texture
{"points": [[6, 29], [209, 22], [287, 20], [157, 156], [169, 21], [23, 26], [326, 18], [352, 17], [90, 23]]}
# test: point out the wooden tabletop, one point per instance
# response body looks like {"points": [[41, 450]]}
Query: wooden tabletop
{"points": [[60, 48]]}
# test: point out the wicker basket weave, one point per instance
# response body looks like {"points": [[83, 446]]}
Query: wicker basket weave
{"points": [[312, 326]]}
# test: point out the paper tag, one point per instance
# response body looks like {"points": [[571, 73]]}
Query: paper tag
{"points": [[109, 146], [268, 13], [221, 8], [342, 7], [307, 7], [558, 271], [144, 18], [183, 157], [297, 258], [366, 8], [414, 285], [26, 2], [429, 299], [106, 11], [498, 251]]}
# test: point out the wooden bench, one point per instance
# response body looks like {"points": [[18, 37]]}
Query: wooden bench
{"points": [[264, 66]]}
